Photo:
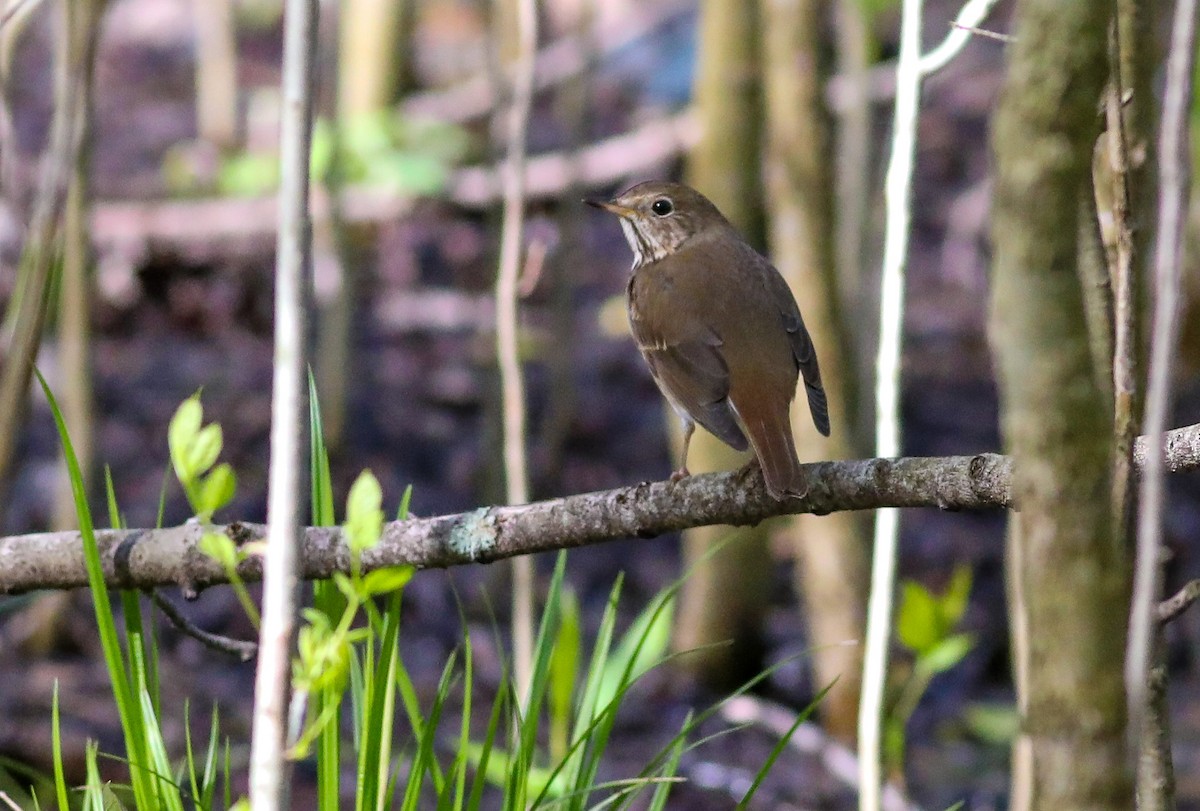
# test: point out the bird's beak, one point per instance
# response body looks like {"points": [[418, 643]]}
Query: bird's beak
{"points": [[612, 208]]}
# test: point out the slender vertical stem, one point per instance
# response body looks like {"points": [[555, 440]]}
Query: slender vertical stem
{"points": [[75, 297], [268, 766], [1174, 169], [897, 190], [512, 384], [28, 310], [1124, 274]]}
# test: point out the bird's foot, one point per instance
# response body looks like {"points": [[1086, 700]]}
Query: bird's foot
{"points": [[680, 475], [749, 470]]}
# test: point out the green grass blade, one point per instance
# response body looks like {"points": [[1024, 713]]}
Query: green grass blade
{"points": [[330, 601], [564, 673], [712, 710], [127, 703], [208, 784], [423, 760], [658, 801], [586, 712], [778, 748], [110, 494], [379, 706], [405, 500], [93, 789], [483, 756], [60, 779], [464, 733], [322, 487], [189, 755], [162, 496], [169, 798]]}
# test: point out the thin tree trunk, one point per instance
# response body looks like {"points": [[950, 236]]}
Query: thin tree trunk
{"points": [[75, 311], [216, 72], [72, 86], [370, 53], [1069, 569], [725, 597], [370, 44], [831, 570]]}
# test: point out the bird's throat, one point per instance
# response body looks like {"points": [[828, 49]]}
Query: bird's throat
{"points": [[646, 248]]}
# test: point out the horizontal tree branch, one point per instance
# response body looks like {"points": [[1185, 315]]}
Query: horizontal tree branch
{"points": [[142, 558]]}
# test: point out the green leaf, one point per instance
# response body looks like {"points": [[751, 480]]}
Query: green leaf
{"points": [[953, 603], [220, 548], [321, 152], [205, 448], [346, 586], [181, 434], [364, 515], [369, 134], [946, 653], [994, 723], [893, 742], [408, 172], [248, 175], [381, 581], [917, 621], [218, 488]]}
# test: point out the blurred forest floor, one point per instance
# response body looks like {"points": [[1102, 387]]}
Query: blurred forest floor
{"points": [[422, 411]]}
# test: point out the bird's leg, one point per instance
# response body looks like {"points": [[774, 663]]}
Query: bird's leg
{"points": [[689, 428], [752, 468]]}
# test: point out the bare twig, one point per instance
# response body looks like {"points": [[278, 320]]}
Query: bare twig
{"points": [[170, 556], [512, 383], [1172, 607], [983, 32], [969, 16], [234, 647], [1174, 169], [269, 789]]}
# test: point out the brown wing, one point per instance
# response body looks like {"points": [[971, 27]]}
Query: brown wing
{"points": [[690, 371], [802, 348]]}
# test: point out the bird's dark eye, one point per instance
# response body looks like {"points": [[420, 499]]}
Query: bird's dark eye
{"points": [[662, 207]]}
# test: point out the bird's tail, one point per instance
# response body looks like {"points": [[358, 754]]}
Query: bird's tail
{"points": [[770, 432]]}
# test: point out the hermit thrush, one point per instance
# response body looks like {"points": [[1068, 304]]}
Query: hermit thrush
{"points": [[718, 326]]}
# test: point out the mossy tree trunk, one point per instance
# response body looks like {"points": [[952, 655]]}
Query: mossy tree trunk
{"points": [[725, 597], [1069, 570], [831, 551]]}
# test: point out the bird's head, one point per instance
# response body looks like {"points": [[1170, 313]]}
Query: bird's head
{"points": [[658, 218]]}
